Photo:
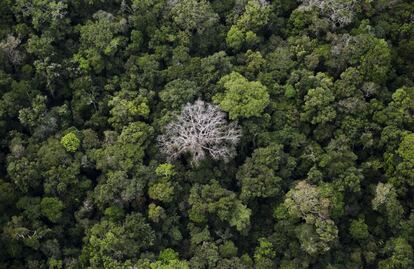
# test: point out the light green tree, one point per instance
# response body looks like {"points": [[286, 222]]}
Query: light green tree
{"points": [[242, 98], [71, 142]]}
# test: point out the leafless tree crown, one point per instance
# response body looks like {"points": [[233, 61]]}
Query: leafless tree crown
{"points": [[339, 12], [9, 47], [200, 129]]}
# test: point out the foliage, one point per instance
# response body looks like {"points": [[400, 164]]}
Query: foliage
{"points": [[242, 98], [52, 208], [70, 141], [232, 134]]}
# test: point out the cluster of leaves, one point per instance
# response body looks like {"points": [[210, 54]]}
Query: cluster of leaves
{"points": [[206, 134]]}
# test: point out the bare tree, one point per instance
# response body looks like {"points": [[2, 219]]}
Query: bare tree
{"points": [[9, 47], [200, 128], [339, 12]]}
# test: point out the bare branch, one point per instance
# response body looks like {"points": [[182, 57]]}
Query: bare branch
{"points": [[201, 128], [10, 48], [339, 12]]}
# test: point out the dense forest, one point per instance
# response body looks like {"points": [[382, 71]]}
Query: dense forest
{"points": [[229, 134]]}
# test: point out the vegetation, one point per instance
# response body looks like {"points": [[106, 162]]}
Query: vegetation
{"points": [[203, 134]]}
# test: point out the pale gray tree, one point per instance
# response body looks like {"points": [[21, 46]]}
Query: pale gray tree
{"points": [[339, 12], [10, 47], [200, 129]]}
